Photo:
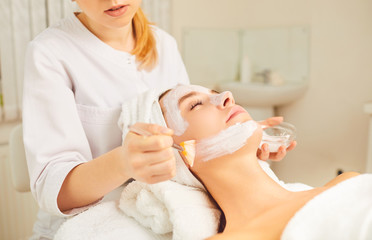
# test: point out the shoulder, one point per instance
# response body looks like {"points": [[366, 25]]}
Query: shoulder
{"points": [[239, 235], [53, 45], [58, 35], [163, 38], [43, 46], [340, 178], [160, 33]]}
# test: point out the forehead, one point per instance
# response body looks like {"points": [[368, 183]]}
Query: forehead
{"points": [[181, 90], [170, 98], [184, 89]]}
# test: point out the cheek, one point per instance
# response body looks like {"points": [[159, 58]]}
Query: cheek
{"points": [[137, 3], [203, 124]]}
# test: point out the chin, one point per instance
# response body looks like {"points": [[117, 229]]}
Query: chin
{"points": [[239, 119], [117, 23]]}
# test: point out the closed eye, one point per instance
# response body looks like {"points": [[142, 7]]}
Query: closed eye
{"points": [[195, 104]]}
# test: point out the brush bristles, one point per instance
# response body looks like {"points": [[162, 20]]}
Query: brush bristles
{"points": [[188, 151]]}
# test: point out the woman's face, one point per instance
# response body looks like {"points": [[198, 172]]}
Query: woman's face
{"points": [[110, 14], [204, 111]]}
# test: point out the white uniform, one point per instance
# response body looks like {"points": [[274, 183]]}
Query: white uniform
{"points": [[73, 89]]}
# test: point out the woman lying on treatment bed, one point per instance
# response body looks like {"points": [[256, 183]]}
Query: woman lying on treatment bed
{"points": [[227, 139]]}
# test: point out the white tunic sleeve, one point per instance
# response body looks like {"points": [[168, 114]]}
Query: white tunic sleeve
{"points": [[54, 138]]}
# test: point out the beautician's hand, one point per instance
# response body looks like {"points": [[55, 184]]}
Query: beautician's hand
{"points": [[264, 153], [149, 159]]}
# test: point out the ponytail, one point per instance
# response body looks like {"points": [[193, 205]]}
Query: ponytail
{"points": [[145, 48]]}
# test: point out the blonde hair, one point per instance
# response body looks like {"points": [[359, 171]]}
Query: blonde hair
{"points": [[145, 48]]}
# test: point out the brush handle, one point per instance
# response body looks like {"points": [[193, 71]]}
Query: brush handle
{"points": [[177, 147], [145, 133]]}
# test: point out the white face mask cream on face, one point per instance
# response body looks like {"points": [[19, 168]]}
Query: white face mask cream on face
{"points": [[216, 99], [173, 113], [225, 142]]}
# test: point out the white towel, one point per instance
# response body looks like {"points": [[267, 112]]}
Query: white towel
{"points": [[179, 206], [343, 212], [170, 207], [105, 222]]}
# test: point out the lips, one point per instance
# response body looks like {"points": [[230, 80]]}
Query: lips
{"points": [[235, 111], [117, 10]]}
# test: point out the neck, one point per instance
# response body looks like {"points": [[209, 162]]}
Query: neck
{"points": [[241, 188], [121, 39]]}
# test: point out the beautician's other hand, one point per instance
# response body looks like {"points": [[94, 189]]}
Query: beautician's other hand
{"points": [[149, 159], [264, 153]]}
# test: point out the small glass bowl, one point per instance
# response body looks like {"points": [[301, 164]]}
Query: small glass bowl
{"points": [[279, 135]]}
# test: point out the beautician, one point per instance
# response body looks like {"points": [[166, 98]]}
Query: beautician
{"points": [[77, 74]]}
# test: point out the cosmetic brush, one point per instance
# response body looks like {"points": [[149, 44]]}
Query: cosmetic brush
{"points": [[186, 148]]}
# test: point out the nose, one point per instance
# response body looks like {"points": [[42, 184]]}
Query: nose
{"points": [[226, 99]]}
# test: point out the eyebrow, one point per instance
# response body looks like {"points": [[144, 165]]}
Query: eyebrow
{"points": [[191, 94], [163, 94]]}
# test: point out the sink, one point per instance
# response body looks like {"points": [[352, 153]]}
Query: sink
{"points": [[262, 95]]}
